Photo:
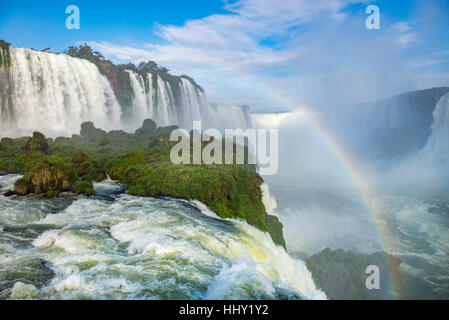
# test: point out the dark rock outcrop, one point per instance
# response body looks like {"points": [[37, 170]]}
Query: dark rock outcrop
{"points": [[9, 193], [341, 274]]}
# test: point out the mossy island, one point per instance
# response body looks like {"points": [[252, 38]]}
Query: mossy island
{"points": [[141, 161]]}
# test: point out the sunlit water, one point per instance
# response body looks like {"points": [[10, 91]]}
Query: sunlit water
{"points": [[115, 246], [316, 218]]}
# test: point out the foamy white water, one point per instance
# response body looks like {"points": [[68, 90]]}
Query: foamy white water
{"points": [[436, 150], [142, 248], [62, 92], [58, 91]]}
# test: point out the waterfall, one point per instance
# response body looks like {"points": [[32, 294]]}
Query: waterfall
{"points": [[159, 103], [55, 93], [436, 150], [191, 101], [141, 102]]}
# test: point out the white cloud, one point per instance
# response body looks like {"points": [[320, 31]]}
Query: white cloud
{"points": [[408, 38], [277, 54], [402, 26]]}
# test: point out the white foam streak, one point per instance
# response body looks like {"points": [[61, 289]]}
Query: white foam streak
{"points": [[436, 150]]}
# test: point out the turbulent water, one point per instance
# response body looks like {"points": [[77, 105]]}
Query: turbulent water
{"points": [[330, 212], [436, 151], [335, 218], [62, 92], [116, 246]]}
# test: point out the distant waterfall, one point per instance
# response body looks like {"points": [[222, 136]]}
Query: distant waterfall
{"points": [[270, 120], [436, 150], [159, 103], [192, 101], [55, 93]]}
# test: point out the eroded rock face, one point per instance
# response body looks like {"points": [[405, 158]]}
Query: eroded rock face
{"points": [[119, 80]]}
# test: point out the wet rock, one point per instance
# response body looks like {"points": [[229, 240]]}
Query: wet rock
{"points": [[342, 274], [10, 193], [104, 197], [3, 173], [36, 272], [22, 291], [441, 208]]}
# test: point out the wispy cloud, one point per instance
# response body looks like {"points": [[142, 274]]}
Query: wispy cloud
{"points": [[282, 53]]}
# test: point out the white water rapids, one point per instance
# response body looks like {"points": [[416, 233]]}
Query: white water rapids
{"points": [[139, 248]]}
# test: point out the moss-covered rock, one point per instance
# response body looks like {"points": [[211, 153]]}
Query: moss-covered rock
{"points": [[142, 162], [275, 229], [52, 193], [5, 142], [46, 176], [37, 142], [95, 174], [147, 130], [79, 157], [23, 187], [84, 187], [231, 191], [92, 134]]}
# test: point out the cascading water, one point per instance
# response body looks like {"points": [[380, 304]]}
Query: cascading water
{"points": [[192, 105], [159, 103], [192, 101], [62, 92], [138, 248], [55, 93], [164, 113], [436, 150], [143, 99]]}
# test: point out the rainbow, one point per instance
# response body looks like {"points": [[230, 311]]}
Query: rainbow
{"points": [[353, 172], [364, 189]]}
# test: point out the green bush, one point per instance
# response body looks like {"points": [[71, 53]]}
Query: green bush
{"points": [[37, 142], [84, 187], [52, 193]]}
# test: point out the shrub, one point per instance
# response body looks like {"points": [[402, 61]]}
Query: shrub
{"points": [[23, 187], [84, 187], [37, 143]]}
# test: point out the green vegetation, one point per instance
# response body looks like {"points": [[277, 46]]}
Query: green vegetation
{"points": [[84, 187], [5, 57], [119, 77], [275, 229], [36, 143], [142, 162], [47, 175]]}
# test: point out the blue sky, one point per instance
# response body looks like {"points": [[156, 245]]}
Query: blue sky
{"points": [[42, 23], [269, 54]]}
